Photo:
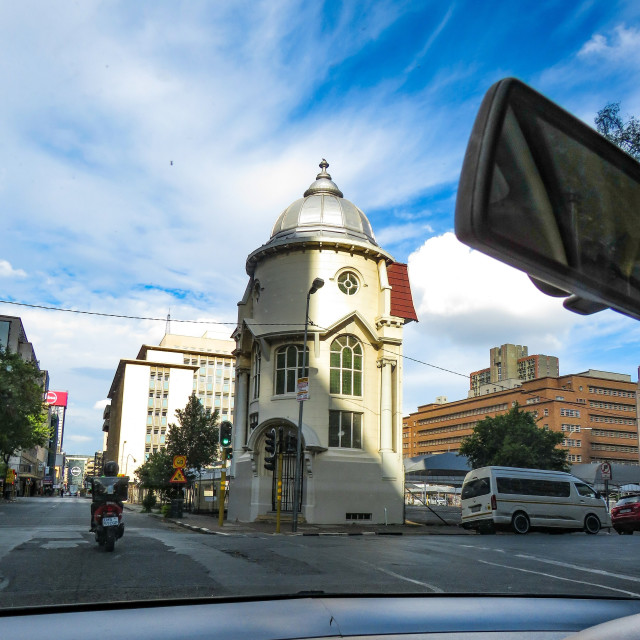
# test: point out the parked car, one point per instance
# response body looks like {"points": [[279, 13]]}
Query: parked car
{"points": [[625, 515]]}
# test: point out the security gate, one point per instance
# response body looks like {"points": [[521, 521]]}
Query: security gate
{"points": [[288, 444]]}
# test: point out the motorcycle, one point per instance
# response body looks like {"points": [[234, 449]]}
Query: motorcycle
{"points": [[108, 524], [108, 494]]}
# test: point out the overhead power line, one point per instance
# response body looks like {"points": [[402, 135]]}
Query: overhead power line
{"points": [[535, 393]]}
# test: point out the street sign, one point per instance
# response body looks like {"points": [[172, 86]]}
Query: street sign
{"points": [[178, 477], [11, 476], [605, 471], [179, 462], [302, 389]]}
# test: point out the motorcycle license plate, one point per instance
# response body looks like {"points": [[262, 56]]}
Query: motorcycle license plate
{"points": [[110, 522]]}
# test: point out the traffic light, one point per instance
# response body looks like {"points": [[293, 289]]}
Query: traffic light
{"points": [[270, 449], [290, 443], [225, 434]]}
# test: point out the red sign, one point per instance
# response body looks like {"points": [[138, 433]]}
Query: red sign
{"points": [[57, 398], [178, 476]]}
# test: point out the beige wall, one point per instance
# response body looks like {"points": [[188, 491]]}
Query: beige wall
{"points": [[337, 481]]}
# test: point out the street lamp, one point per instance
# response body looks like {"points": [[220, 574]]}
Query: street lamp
{"points": [[122, 454], [318, 283], [126, 466]]}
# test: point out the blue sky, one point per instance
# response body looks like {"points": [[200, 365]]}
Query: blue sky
{"points": [[147, 148]]}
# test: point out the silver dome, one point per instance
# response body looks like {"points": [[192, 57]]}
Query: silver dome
{"points": [[323, 214]]}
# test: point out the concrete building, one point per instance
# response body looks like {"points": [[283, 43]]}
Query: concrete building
{"points": [[511, 365], [147, 391], [595, 410], [351, 423], [29, 464]]}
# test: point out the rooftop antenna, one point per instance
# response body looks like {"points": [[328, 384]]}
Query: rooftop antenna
{"points": [[167, 328]]}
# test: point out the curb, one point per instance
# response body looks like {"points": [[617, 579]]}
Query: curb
{"points": [[249, 531]]}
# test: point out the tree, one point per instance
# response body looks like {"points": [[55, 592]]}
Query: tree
{"points": [[196, 437], [156, 472], [627, 136], [514, 440], [23, 415]]}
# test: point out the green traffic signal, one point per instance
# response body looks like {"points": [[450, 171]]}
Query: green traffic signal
{"points": [[225, 434]]}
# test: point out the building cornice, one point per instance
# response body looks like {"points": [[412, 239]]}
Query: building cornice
{"points": [[286, 245]]}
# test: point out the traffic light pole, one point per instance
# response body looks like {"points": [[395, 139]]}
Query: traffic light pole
{"points": [[223, 484], [296, 486], [279, 492]]}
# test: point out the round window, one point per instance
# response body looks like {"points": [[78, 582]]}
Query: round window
{"points": [[348, 282]]}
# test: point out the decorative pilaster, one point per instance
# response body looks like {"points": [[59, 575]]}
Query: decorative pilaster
{"points": [[240, 414], [386, 366]]}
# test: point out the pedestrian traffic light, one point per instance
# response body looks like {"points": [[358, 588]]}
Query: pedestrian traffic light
{"points": [[270, 450], [290, 443], [226, 429]]}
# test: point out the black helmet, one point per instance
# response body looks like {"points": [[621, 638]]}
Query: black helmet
{"points": [[111, 468]]}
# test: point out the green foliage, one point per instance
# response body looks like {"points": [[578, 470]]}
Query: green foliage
{"points": [[514, 440], [626, 136], [196, 437], [23, 414], [149, 501], [165, 510]]}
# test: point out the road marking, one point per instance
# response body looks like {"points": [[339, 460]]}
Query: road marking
{"points": [[550, 575], [601, 572], [405, 578]]}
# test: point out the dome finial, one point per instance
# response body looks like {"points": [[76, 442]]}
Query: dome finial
{"points": [[323, 183], [323, 174]]}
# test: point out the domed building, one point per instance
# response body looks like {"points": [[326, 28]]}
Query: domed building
{"points": [[322, 252]]}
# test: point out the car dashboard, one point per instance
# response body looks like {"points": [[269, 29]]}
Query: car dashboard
{"points": [[451, 617]]}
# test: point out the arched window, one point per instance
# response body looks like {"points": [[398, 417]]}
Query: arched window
{"points": [[346, 366], [256, 365], [289, 368]]}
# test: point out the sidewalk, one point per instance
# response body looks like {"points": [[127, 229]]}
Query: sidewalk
{"points": [[206, 524]]}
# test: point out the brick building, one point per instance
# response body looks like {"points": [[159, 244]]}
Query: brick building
{"points": [[596, 411]]}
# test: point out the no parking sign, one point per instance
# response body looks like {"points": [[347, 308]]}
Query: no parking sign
{"points": [[605, 471]]}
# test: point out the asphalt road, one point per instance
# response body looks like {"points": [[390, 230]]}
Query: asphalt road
{"points": [[48, 556]]}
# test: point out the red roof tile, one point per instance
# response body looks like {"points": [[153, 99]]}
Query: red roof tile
{"points": [[401, 300]]}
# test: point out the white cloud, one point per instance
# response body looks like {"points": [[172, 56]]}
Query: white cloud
{"points": [[78, 438], [394, 234], [473, 299], [623, 44], [7, 271], [101, 404]]}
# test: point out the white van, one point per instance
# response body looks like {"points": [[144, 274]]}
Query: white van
{"points": [[506, 497]]}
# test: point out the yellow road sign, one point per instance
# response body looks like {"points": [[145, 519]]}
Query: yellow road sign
{"points": [[178, 476], [179, 462]]}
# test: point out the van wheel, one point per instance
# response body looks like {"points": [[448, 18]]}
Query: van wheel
{"points": [[520, 522], [591, 524]]}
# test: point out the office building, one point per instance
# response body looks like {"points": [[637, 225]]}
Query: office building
{"points": [[596, 411]]}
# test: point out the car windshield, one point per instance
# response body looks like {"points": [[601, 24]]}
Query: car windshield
{"points": [[629, 500], [243, 353]]}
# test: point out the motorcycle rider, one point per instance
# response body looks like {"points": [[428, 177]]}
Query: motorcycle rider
{"points": [[110, 470]]}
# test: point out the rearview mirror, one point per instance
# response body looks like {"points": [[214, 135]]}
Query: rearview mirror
{"points": [[545, 193]]}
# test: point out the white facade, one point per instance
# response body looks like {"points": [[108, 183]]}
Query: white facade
{"points": [[147, 391], [352, 421]]}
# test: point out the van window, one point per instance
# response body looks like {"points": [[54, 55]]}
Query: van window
{"points": [[475, 488], [585, 490], [523, 486]]}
